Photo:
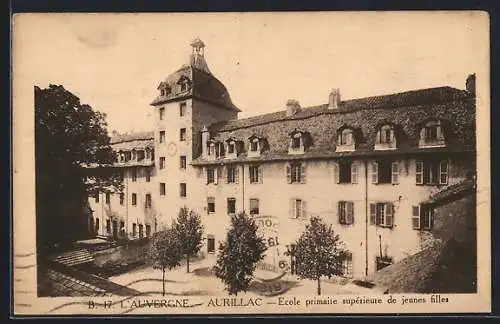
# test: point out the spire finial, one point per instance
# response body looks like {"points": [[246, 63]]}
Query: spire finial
{"points": [[198, 46]]}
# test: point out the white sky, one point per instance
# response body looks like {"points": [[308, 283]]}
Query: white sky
{"points": [[114, 62]]}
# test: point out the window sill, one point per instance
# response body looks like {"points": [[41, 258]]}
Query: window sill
{"points": [[253, 154], [345, 148], [385, 147], [296, 151]]}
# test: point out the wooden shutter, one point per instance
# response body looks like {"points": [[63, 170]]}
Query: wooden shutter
{"points": [[439, 132], [374, 172], [350, 213], [291, 209], [389, 215], [303, 214], [419, 172], [303, 172], [422, 135], [288, 174], [443, 172], [340, 213], [236, 174], [336, 172], [354, 173], [392, 138], [216, 175], [259, 174], [415, 217], [206, 174], [373, 214], [395, 173]]}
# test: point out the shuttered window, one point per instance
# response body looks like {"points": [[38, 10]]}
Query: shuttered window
{"points": [[374, 172], [415, 217], [395, 173], [296, 173], [346, 212], [297, 208], [382, 214]]}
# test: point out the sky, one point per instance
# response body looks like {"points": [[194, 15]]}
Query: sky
{"points": [[114, 62]]}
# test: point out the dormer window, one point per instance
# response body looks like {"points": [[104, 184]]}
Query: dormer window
{"points": [[346, 141], [386, 138], [184, 83], [255, 146], [297, 142], [431, 134], [231, 148]]}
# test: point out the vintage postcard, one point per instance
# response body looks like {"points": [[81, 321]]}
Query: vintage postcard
{"points": [[251, 163]]}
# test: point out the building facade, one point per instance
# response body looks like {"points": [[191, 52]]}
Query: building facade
{"points": [[364, 165]]}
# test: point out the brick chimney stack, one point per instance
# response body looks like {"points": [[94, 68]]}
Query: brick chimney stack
{"points": [[470, 84]]}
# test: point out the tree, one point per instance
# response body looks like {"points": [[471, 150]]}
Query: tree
{"points": [[165, 252], [68, 136], [319, 252], [189, 231], [239, 254]]}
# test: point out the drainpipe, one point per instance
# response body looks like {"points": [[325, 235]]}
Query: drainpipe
{"points": [[126, 204], [243, 184], [366, 218]]}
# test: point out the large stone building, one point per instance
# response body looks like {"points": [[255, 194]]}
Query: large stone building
{"points": [[365, 165]]}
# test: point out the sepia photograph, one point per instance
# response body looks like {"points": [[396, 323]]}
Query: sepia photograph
{"points": [[246, 163]]}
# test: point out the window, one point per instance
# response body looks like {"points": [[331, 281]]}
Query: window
{"points": [[347, 265], [141, 231], [147, 202], [134, 174], [296, 173], [162, 189], [140, 155], [385, 171], [232, 174], [382, 262], [182, 109], [96, 197], [183, 134], [148, 230], [211, 205], [134, 199], [148, 175], [134, 229], [108, 198], [162, 113], [254, 206], [346, 212], [231, 206], [345, 140], [254, 145], [162, 136], [184, 85], [183, 190], [162, 92], [210, 244], [431, 134], [382, 214], [297, 208], [97, 225], [385, 138], [128, 156], [108, 226], [231, 148], [431, 172], [255, 176], [162, 162], [211, 176], [122, 198], [423, 217], [346, 172], [121, 175], [297, 142], [183, 162]]}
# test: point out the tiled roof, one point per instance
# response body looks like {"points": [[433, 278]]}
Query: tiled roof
{"points": [[203, 86], [127, 142], [407, 111], [132, 137], [443, 267], [465, 186]]}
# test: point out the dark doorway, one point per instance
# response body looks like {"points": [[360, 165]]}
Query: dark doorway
{"points": [[115, 229]]}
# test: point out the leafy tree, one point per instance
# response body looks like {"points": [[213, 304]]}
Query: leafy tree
{"points": [[319, 252], [68, 136], [239, 254], [189, 231], [165, 252]]}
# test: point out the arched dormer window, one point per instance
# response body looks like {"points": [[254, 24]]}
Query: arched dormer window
{"points": [[215, 149], [184, 83], [255, 145], [298, 142], [346, 140], [431, 134], [386, 138], [232, 148], [164, 89]]}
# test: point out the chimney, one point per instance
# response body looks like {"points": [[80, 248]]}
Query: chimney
{"points": [[470, 84], [205, 136], [292, 107], [334, 99]]}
